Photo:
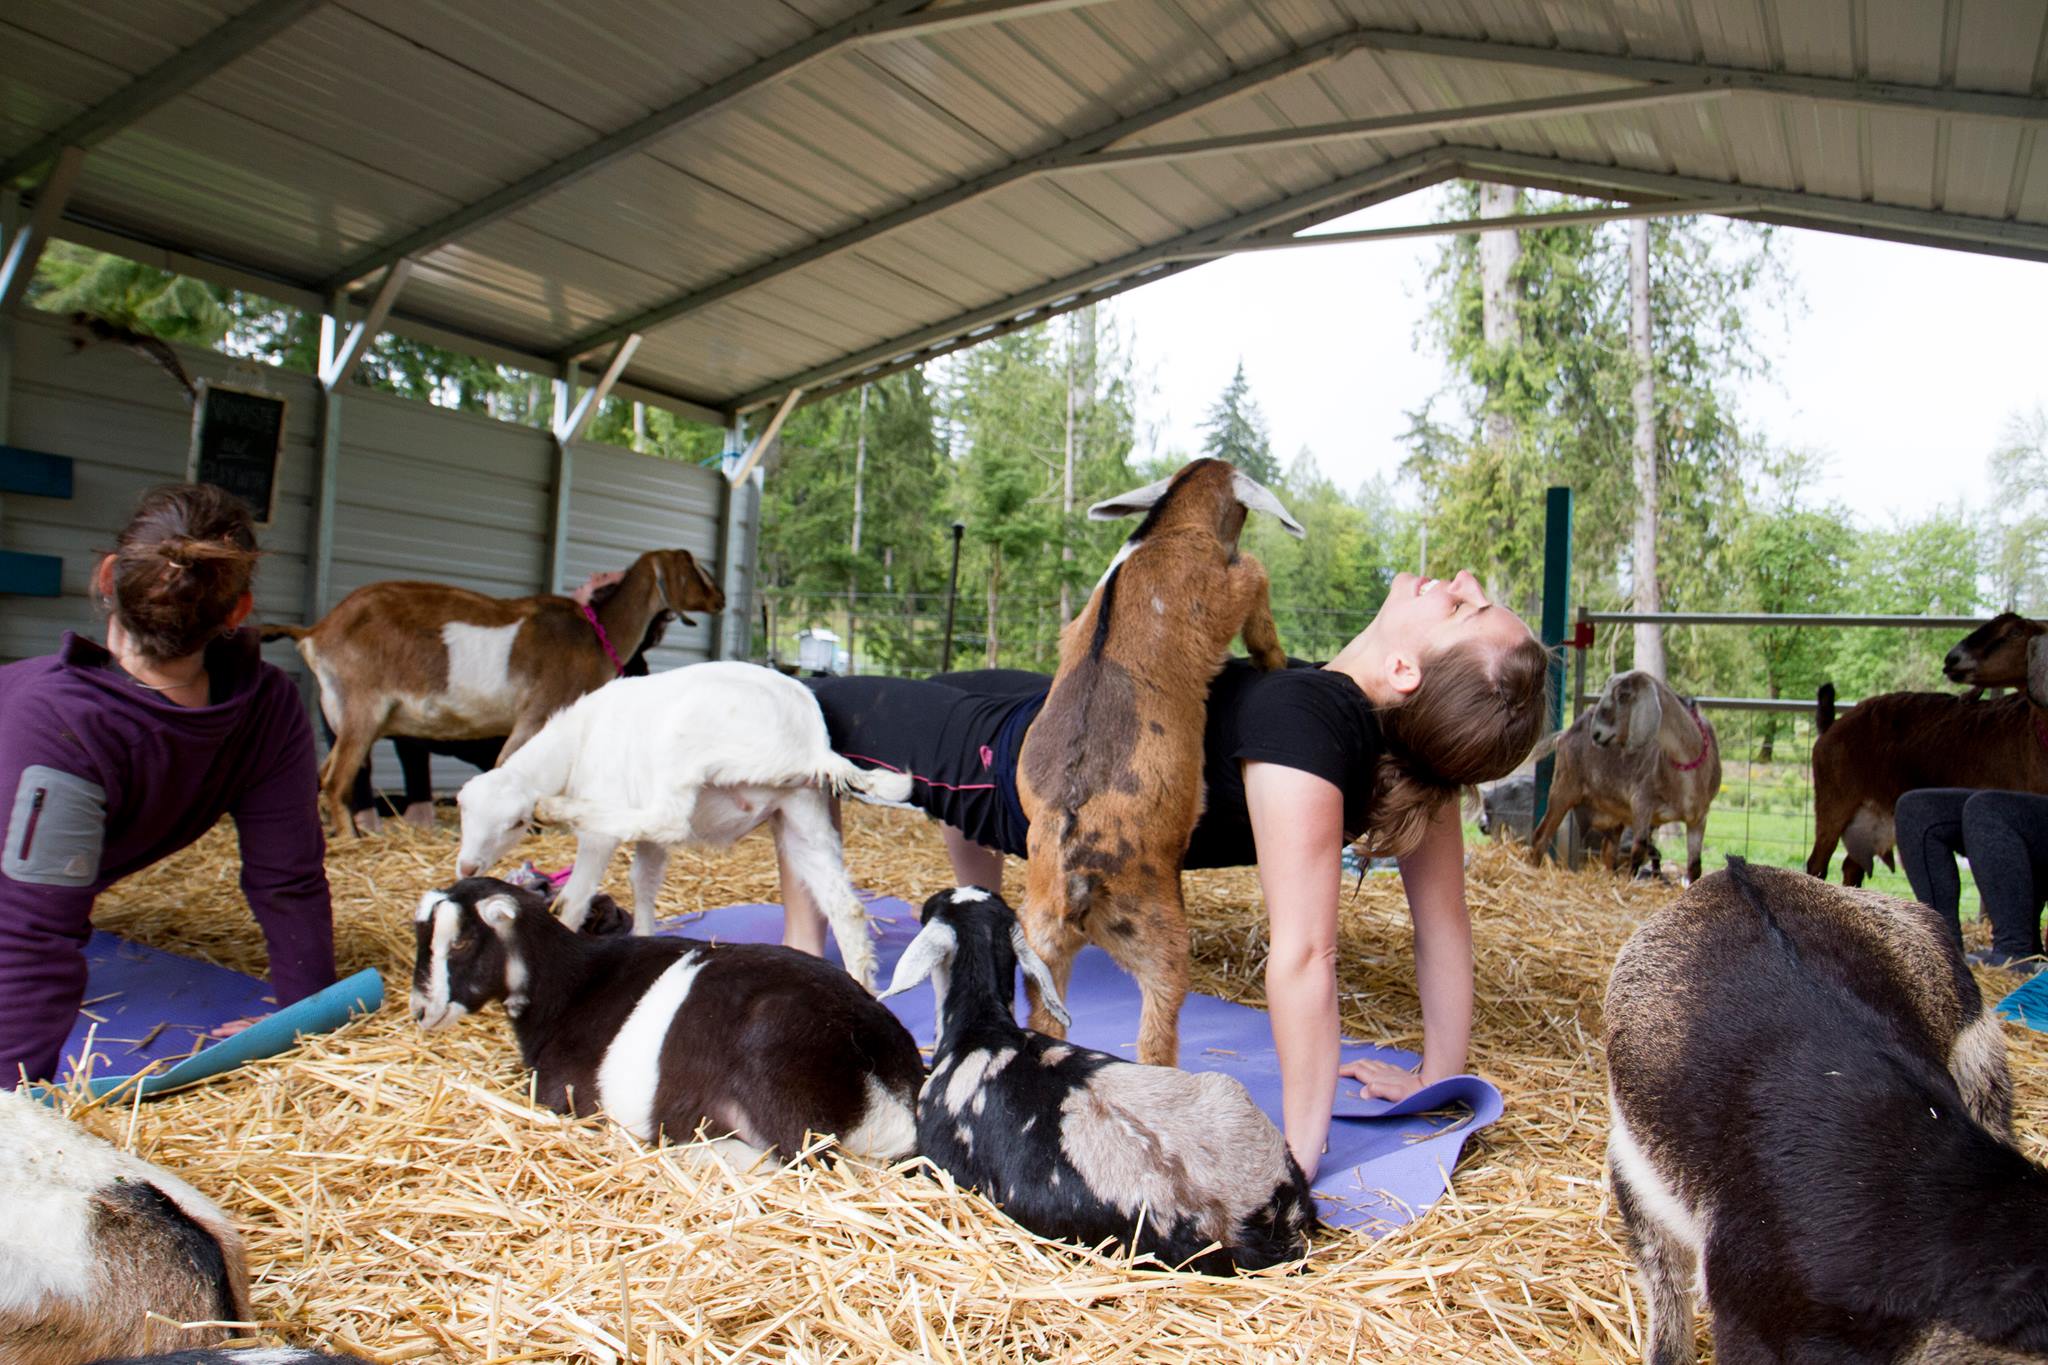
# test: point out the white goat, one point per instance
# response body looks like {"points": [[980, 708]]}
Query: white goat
{"points": [[696, 755]]}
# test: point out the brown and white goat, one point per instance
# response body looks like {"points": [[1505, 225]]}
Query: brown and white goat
{"points": [[441, 662], [1812, 1125], [1994, 654], [102, 1253], [1897, 741], [1640, 757], [1110, 773]]}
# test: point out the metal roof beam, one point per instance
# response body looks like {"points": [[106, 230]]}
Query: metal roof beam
{"points": [[1065, 156], [18, 263], [1396, 125], [889, 20], [340, 355], [1920, 226], [1389, 180], [302, 295], [1830, 89], [572, 426], [1561, 218], [165, 81]]}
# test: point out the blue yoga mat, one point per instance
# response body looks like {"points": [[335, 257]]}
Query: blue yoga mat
{"points": [[1386, 1164], [149, 1009], [2028, 1005]]}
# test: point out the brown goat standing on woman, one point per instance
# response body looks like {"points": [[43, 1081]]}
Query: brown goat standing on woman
{"points": [[441, 662], [1110, 774]]}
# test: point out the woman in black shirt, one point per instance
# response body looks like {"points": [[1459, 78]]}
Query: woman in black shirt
{"points": [[1441, 690]]}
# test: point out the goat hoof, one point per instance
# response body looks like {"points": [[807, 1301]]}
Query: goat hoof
{"points": [[368, 822], [420, 813]]}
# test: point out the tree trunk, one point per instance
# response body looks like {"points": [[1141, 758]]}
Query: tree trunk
{"points": [[995, 575], [1643, 546], [1765, 751], [1498, 252], [1067, 475], [860, 466]]}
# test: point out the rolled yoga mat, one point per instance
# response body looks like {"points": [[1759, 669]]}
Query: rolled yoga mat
{"points": [[146, 1007]]}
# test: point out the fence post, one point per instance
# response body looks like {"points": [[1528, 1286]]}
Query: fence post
{"points": [[1557, 586], [952, 596]]}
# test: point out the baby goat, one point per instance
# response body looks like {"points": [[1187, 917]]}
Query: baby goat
{"points": [[1110, 773], [1081, 1145], [703, 755], [669, 1034], [1994, 654], [1811, 1118], [100, 1252]]}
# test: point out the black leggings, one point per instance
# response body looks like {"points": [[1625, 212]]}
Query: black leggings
{"points": [[2005, 837]]}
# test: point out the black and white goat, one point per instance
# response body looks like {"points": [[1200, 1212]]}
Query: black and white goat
{"points": [[1080, 1145], [100, 1252], [667, 1035], [1811, 1119]]}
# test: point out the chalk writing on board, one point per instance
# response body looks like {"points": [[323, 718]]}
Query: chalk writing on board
{"points": [[237, 438]]}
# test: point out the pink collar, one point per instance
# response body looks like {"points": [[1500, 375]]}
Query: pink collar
{"points": [[1706, 743], [602, 638]]}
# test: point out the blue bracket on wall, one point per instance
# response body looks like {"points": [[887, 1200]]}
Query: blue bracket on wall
{"points": [[27, 575], [34, 472], [41, 475]]}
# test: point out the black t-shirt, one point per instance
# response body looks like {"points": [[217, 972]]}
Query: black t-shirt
{"points": [[1301, 717]]}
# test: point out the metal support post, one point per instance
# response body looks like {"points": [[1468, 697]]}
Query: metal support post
{"points": [[731, 499], [10, 225], [567, 420], [327, 472], [1557, 586]]}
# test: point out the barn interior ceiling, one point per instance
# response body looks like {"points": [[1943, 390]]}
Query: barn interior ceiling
{"points": [[724, 205]]}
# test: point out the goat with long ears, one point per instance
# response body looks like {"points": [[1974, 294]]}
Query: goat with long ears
{"points": [[1078, 1144], [1110, 774], [441, 662]]}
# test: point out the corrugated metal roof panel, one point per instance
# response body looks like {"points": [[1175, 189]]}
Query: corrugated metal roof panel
{"points": [[368, 119]]}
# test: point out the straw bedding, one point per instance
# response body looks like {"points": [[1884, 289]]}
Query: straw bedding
{"points": [[402, 1198]]}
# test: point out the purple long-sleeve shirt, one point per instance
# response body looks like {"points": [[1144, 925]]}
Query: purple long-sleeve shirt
{"points": [[100, 777]]}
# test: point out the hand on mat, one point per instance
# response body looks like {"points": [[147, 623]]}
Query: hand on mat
{"points": [[234, 1026], [1382, 1081]]}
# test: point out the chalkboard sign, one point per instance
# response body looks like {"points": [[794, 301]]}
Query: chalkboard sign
{"points": [[237, 439]]}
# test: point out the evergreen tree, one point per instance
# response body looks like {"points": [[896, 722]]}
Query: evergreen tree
{"points": [[1235, 430]]}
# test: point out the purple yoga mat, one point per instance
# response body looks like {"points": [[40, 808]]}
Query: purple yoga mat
{"points": [[1386, 1164], [133, 989]]}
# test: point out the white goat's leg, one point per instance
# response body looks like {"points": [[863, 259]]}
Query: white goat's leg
{"points": [[593, 857], [812, 861], [650, 861]]}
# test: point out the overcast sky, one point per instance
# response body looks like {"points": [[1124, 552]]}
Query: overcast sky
{"points": [[1901, 367]]}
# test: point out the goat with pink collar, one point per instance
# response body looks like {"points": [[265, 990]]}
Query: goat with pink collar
{"points": [[696, 755]]}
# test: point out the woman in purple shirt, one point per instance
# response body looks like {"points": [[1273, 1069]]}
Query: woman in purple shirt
{"points": [[112, 758]]}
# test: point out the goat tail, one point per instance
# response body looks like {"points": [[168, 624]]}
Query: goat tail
{"points": [[1546, 746], [1824, 712], [276, 631], [847, 778]]}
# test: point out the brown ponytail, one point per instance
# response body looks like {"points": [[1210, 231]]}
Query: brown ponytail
{"points": [[180, 566], [1472, 718]]}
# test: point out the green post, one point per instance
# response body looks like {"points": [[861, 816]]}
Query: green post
{"points": [[1557, 587]]}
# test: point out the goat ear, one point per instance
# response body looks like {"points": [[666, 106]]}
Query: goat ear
{"points": [[1039, 975], [498, 911], [1649, 713], [934, 944], [1258, 498], [1131, 503], [2037, 670]]}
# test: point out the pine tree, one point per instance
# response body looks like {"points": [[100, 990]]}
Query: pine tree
{"points": [[1235, 430]]}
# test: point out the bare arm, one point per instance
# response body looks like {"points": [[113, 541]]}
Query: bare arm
{"points": [[1298, 825], [1434, 878]]}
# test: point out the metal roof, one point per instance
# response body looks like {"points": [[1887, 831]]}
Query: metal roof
{"points": [[797, 193]]}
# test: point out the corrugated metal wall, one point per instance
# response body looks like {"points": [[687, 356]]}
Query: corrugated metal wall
{"points": [[423, 493]]}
